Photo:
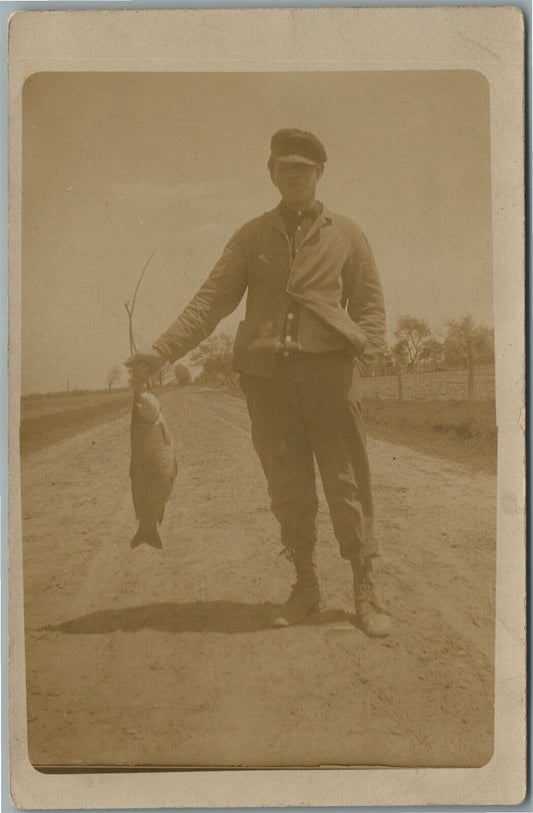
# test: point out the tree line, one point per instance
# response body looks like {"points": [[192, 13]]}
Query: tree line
{"points": [[465, 345], [415, 347]]}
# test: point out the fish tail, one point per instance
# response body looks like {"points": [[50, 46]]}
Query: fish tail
{"points": [[147, 535]]}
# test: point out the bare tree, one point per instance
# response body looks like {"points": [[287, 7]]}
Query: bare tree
{"points": [[400, 355], [432, 353], [415, 334], [461, 339], [113, 377]]}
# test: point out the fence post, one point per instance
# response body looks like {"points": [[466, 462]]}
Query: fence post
{"points": [[470, 365], [399, 377]]}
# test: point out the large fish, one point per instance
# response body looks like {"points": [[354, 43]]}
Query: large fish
{"points": [[153, 466]]}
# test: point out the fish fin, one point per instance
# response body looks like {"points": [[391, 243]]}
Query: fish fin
{"points": [[161, 515], [148, 536]]}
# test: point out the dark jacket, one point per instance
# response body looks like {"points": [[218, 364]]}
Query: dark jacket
{"points": [[332, 278]]}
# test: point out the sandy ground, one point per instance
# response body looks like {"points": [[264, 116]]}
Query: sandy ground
{"points": [[146, 657]]}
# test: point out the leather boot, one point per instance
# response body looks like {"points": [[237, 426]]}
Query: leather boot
{"points": [[369, 606], [305, 595]]}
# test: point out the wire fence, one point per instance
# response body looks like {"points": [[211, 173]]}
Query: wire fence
{"points": [[449, 385]]}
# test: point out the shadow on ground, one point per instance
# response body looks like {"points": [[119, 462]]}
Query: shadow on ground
{"points": [[199, 616]]}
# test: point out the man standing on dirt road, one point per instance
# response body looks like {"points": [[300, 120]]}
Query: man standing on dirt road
{"points": [[314, 316]]}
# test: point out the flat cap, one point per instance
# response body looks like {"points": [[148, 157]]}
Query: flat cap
{"points": [[297, 146]]}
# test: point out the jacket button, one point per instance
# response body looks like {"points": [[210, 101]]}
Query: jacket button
{"points": [[288, 338], [290, 316]]}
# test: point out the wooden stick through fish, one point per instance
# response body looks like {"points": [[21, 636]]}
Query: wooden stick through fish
{"points": [[129, 309]]}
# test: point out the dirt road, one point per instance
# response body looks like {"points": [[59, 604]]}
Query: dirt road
{"points": [[166, 657]]}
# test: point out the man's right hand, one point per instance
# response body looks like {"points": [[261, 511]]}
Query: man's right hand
{"points": [[144, 363]]}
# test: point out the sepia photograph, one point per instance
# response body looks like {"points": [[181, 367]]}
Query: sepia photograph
{"points": [[258, 434], [177, 649]]}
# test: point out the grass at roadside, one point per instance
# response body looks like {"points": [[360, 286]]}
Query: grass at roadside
{"points": [[462, 431], [40, 430], [47, 419]]}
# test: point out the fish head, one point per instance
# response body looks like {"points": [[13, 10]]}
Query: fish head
{"points": [[146, 407]]}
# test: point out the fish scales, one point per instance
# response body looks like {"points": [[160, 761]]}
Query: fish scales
{"points": [[151, 453]]}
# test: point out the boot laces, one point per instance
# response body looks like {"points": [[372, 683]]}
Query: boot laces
{"points": [[365, 586]]}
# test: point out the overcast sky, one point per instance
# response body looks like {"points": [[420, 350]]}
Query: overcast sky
{"points": [[117, 164]]}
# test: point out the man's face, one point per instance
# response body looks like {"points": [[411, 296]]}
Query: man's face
{"points": [[296, 182]]}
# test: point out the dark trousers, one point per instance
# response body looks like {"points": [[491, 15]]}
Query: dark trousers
{"points": [[312, 408]]}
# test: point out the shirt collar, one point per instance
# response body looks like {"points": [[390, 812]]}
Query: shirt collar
{"points": [[325, 217], [311, 213]]}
